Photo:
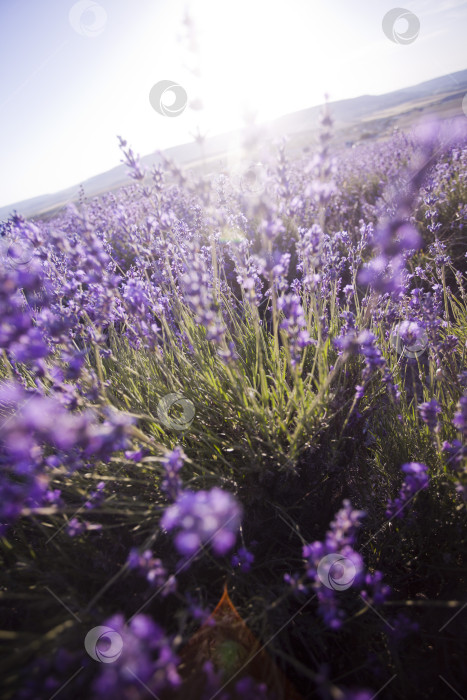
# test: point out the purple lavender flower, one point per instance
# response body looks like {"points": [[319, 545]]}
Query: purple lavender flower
{"points": [[416, 480], [429, 412], [147, 658], [402, 626], [29, 347], [203, 517], [197, 611], [358, 695], [53, 496], [348, 292], [17, 332], [199, 294], [294, 324], [28, 491], [248, 689], [172, 463], [348, 342], [135, 455], [113, 435], [334, 565], [373, 358], [229, 354], [456, 451], [272, 228], [96, 497], [131, 160], [385, 271], [460, 417], [153, 569], [243, 559], [295, 581], [77, 527], [36, 422], [382, 274], [376, 590]]}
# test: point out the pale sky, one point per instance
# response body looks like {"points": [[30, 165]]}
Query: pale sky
{"points": [[65, 95]]}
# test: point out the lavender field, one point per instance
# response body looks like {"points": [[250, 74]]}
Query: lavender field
{"points": [[256, 381]]}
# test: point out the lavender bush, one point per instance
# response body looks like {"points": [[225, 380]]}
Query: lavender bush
{"points": [[323, 476]]}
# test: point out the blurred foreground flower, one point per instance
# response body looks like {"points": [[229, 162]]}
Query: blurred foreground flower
{"points": [[146, 660], [203, 517]]}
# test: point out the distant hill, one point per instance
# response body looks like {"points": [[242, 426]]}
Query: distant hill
{"points": [[367, 116]]}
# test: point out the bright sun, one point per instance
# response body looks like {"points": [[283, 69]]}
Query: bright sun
{"points": [[254, 53]]}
